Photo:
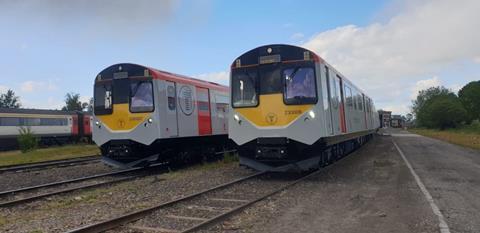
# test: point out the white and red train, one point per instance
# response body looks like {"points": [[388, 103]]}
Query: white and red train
{"points": [[291, 110], [49, 126], [144, 115]]}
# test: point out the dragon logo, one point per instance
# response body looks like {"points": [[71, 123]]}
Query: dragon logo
{"points": [[271, 118]]}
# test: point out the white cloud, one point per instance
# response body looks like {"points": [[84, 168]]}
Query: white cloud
{"points": [[397, 109], [221, 77], [85, 99], [424, 84], [3, 89], [387, 59], [28, 86], [35, 86], [476, 59], [51, 103], [455, 87], [297, 36]]}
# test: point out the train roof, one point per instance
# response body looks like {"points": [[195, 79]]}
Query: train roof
{"points": [[38, 111], [288, 53], [139, 70]]}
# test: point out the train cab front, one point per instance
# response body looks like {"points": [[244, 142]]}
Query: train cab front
{"points": [[124, 107], [274, 95]]}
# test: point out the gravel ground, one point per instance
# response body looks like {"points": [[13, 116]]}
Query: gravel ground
{"points": [[371, 190], [15, 180], [63, 212], [243, 191], [35, 192]]}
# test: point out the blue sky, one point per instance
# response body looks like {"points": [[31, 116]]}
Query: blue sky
{"points": [[52, 47]]}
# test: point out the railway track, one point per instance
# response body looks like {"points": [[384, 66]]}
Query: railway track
{"points": [[199, 210], [28, 194], [41, 165]]}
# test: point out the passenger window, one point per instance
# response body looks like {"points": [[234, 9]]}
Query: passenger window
{"points": [[222, 105], [31, 121], [9, 121], [171, 97], [348, 93], [360, 102], [354, 98], [333, 93], [203, 101]]}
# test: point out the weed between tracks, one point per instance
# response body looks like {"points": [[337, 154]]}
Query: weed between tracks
{"points": [[3, 221], [47, 154], [87, 196], [228, 158]]}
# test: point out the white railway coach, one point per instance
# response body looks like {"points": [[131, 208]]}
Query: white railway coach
{"points": [[50, 126], [292, 110], [143, 115]]}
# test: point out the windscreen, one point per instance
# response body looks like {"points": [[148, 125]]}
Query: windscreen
{"points": [[244, 87], [141, 96], [103, 98], [299, 83]]}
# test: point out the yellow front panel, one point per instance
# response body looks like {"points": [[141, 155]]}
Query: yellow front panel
{"points": [[122, 119], [272, 111]]}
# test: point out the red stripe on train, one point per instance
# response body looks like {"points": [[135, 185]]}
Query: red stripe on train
{"points": [[204, 116]]}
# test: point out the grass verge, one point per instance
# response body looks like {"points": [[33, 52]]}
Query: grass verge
{"points": [[47, 154], [462, 136]]}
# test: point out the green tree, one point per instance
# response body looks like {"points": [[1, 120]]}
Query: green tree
{"points": [[9, 100], [470, 97], [73, 103], [442, 111], [425, 95]]}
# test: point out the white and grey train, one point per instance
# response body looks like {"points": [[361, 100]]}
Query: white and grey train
{"points": [[49, 126], [143, 115], [292, 110]]}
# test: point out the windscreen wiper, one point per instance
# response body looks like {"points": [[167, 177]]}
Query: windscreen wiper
{"points": [[135, 89]]}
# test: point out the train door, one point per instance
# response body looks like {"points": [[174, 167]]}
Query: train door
{"points": [[348, 107], [365, 110], [171, 126], [335, 104], [341, 108], [371, 113], [74, 125], [204, 113], [81, 126], [329, 102]]}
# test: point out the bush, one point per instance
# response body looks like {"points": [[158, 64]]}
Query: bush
{"points": [[26, 140], [443, 111]]}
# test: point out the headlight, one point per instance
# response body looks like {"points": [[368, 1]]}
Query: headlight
{"points": [[236, 117], [311, 114], [97, 123], [150, 120]]}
